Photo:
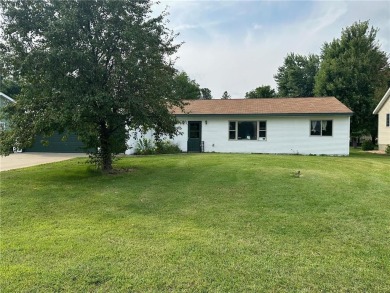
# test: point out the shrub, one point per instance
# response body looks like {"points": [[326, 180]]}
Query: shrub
{"points": [[387, 150], [148, 147], [167, 147], [367, 145], [145, 147]]}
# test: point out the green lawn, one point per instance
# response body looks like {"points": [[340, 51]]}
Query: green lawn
{"points": [[199, 223]]}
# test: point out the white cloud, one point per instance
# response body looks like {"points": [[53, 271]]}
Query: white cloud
{"points": [[257, 26]]}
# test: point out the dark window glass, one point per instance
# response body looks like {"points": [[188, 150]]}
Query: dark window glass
{"points": [[315, 127], [321, 127], [327, 127], [232, 130], [194, 130], [194, 134], [388, 119], [247, 130], [262, 129]]}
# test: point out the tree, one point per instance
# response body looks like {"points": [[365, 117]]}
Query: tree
{"points": [[225, 96], [206, 94], [97, 68], [9, 87], [296, 77], [352, 69], [186, 88], [264, 91]]}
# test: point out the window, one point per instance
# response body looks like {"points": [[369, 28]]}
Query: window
{"points": [[388, 119], [262, 130], [248, 130], [2, 125], [321, 127], [232, 130], [194, 129]]}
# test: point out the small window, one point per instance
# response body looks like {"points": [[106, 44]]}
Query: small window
{"points": [[321, 127], [388, 120], [2, 125], [232, 130], [262, 130]]}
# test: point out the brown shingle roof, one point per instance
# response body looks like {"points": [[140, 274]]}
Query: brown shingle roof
{"points": [[323, 105]]}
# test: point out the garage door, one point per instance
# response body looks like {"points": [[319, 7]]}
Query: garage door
{"points": [[56, 145]]}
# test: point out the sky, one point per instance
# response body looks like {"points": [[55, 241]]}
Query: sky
{"points": [[236, 46]]}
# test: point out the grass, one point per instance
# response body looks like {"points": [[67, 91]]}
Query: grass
{"points": [[199, 223]]}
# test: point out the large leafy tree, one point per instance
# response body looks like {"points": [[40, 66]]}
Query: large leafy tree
{"points": [[186, 88], [296, 77], [9, 86], [354, 69], [264, 91], [97, 68]]}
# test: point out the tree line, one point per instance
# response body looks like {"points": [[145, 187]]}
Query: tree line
{"points": [[353, 68]]}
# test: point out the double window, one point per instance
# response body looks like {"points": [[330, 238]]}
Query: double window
{"points": [[248, 130], [321, 127]]}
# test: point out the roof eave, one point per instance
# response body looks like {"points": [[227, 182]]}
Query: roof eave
{"points": [[266, 114], [382, 102], [7, 97]]}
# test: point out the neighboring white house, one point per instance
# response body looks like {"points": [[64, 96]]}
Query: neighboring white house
{"points": [[383, 111], [4, 100], [279, 125]]}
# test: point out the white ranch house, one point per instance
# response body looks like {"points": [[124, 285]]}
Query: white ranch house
{"points": [[275, 126], [383, 112]]}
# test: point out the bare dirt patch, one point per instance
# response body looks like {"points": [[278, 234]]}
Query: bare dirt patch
{"points": [[377, 152]]}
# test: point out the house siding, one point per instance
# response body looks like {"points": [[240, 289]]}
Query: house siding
{"points": [[383, 130], [285, 135], [135, 136]]}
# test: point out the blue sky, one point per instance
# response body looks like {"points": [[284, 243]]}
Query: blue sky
{"points": [[239, 45]]}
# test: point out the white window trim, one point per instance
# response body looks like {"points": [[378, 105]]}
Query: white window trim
{"points": [[258, 138], [320, 135]]}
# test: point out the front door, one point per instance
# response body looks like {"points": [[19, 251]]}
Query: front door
{"points": [[194, 136]]}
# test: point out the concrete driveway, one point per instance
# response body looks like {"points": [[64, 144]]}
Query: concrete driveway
{"points": [[22, 160]]}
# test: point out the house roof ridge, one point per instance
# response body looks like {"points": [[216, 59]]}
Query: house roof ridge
{"points": [[301, 105], [247, 99]]}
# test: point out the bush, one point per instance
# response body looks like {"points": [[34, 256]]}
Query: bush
{"points": [[145, 147], [167, 147], [367, 145], [387, 150], [148, 147]]}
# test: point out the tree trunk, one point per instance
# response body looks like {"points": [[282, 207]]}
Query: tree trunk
{"points": [[105, 148], [374, 138], [354, 142]]}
